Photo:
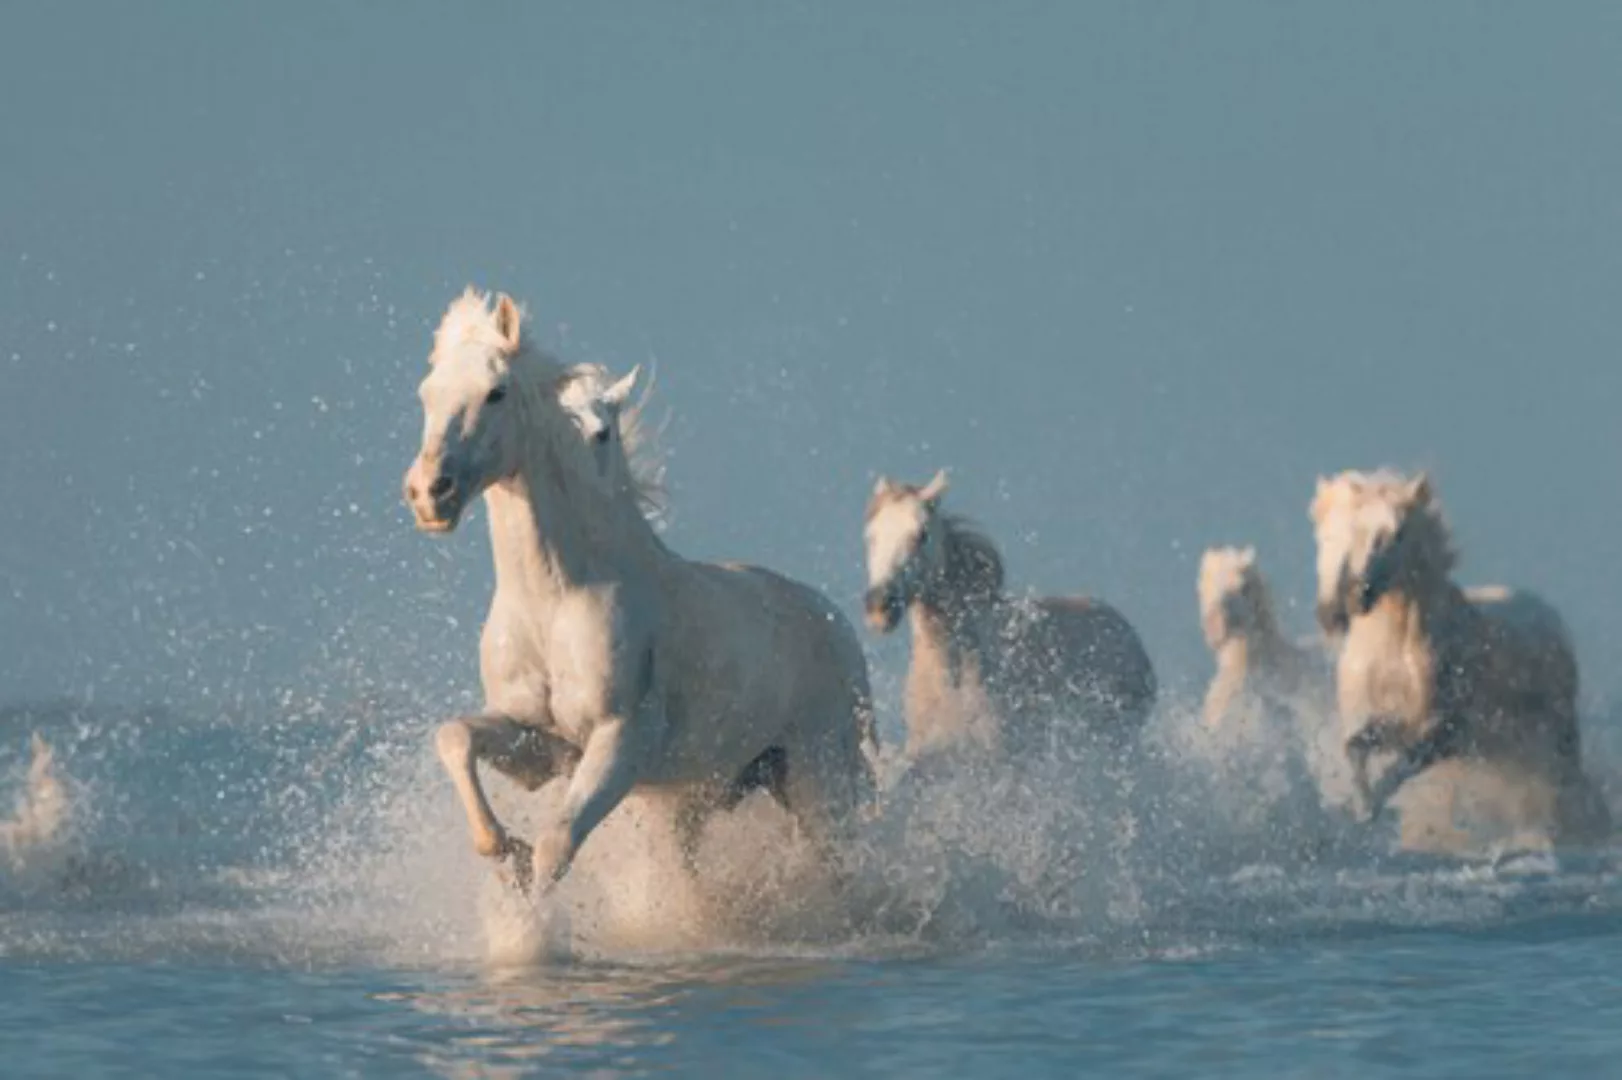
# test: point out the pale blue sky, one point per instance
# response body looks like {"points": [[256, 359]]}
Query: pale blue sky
{"points": [[1135, 272]]}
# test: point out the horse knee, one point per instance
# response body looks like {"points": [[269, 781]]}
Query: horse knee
{"points": [[454, 743]]}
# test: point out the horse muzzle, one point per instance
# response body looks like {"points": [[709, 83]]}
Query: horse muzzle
{"points": [[883, 609], [1333, 617], [435, 501]]}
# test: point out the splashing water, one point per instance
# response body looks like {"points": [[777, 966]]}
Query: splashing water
{"points": [[331, 836]]}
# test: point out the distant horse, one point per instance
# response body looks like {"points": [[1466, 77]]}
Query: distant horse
{"points": [[41, 808], [1255, 660], [607, 658], [1007, 676], [1433, 673]]}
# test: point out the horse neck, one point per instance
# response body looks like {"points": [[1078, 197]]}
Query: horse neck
{"points": [[551, 535], [1233, 657], [1263, 642], [1413, 613], [956, 627]]}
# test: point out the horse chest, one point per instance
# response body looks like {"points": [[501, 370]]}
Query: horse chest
{"points": [[1386, 677], [554, 668]]}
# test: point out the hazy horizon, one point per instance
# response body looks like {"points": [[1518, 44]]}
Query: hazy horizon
{"points": [[1135, 273]]}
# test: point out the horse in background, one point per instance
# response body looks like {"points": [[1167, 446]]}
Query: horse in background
{"points": [[1271, 698], [40, 811], [1255, 660], [607, 659], [1431, 673], [1007, 676]]}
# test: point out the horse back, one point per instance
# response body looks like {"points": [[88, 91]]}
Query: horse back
{"points": [[1524, 648], [1099, 641], [746, 619]]}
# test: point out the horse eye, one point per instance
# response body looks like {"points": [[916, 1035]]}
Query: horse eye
{"points": [[602, 434], [496, 395]]}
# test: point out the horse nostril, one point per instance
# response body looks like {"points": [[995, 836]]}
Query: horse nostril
{"points": [[410, 491], [441, 487]]}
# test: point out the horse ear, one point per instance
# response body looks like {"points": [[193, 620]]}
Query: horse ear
{"points": [[618, 394], [932, 491], [508, 320], [1419, 490], [1247, 556], [882, 486]]}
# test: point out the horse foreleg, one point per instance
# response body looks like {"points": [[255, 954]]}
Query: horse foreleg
{"points": [[529, 756], [1436, 745], [607, 772], [1379, 733]]}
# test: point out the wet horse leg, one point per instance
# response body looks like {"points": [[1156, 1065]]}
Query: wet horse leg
{"points": [[527, 755], [1436, 745], [825, 798], [607, 772], [766, 772], [1379, 733]]}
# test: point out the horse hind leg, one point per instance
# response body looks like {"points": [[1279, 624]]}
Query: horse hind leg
{"points": [[767, 772], [824, 796]]}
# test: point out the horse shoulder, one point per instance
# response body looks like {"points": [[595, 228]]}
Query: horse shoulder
{"points": [[599, 646]]}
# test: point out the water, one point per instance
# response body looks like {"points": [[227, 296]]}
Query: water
{"points": [[1500, 1002], [245, 898]]}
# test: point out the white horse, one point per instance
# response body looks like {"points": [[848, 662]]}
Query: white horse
{"points": [[1434, 673], [41, 810], [606, 657], [989, 670], [1255, 660]]}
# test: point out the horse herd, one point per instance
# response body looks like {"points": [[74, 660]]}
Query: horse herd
{"points": [[610, 662]]}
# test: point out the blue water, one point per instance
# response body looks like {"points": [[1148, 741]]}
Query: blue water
{"points": [[1508, 1001], [287, 899]]}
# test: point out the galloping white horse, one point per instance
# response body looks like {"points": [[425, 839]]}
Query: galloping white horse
{"points": [[990, 670], [606, 657], [1434, 672]]}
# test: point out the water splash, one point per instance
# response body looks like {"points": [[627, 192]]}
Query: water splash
{"points": [[322, 835]]}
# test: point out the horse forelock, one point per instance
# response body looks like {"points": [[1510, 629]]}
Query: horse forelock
{"points": [[469, 319]]}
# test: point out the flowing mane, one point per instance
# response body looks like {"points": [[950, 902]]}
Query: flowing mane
{"points": [[972, 559], [1432, 536]]}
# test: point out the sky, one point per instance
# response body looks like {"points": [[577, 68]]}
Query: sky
{"points": [[1135, 273]]}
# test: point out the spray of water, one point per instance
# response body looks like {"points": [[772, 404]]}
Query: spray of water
{"points": [[331, 836]]}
